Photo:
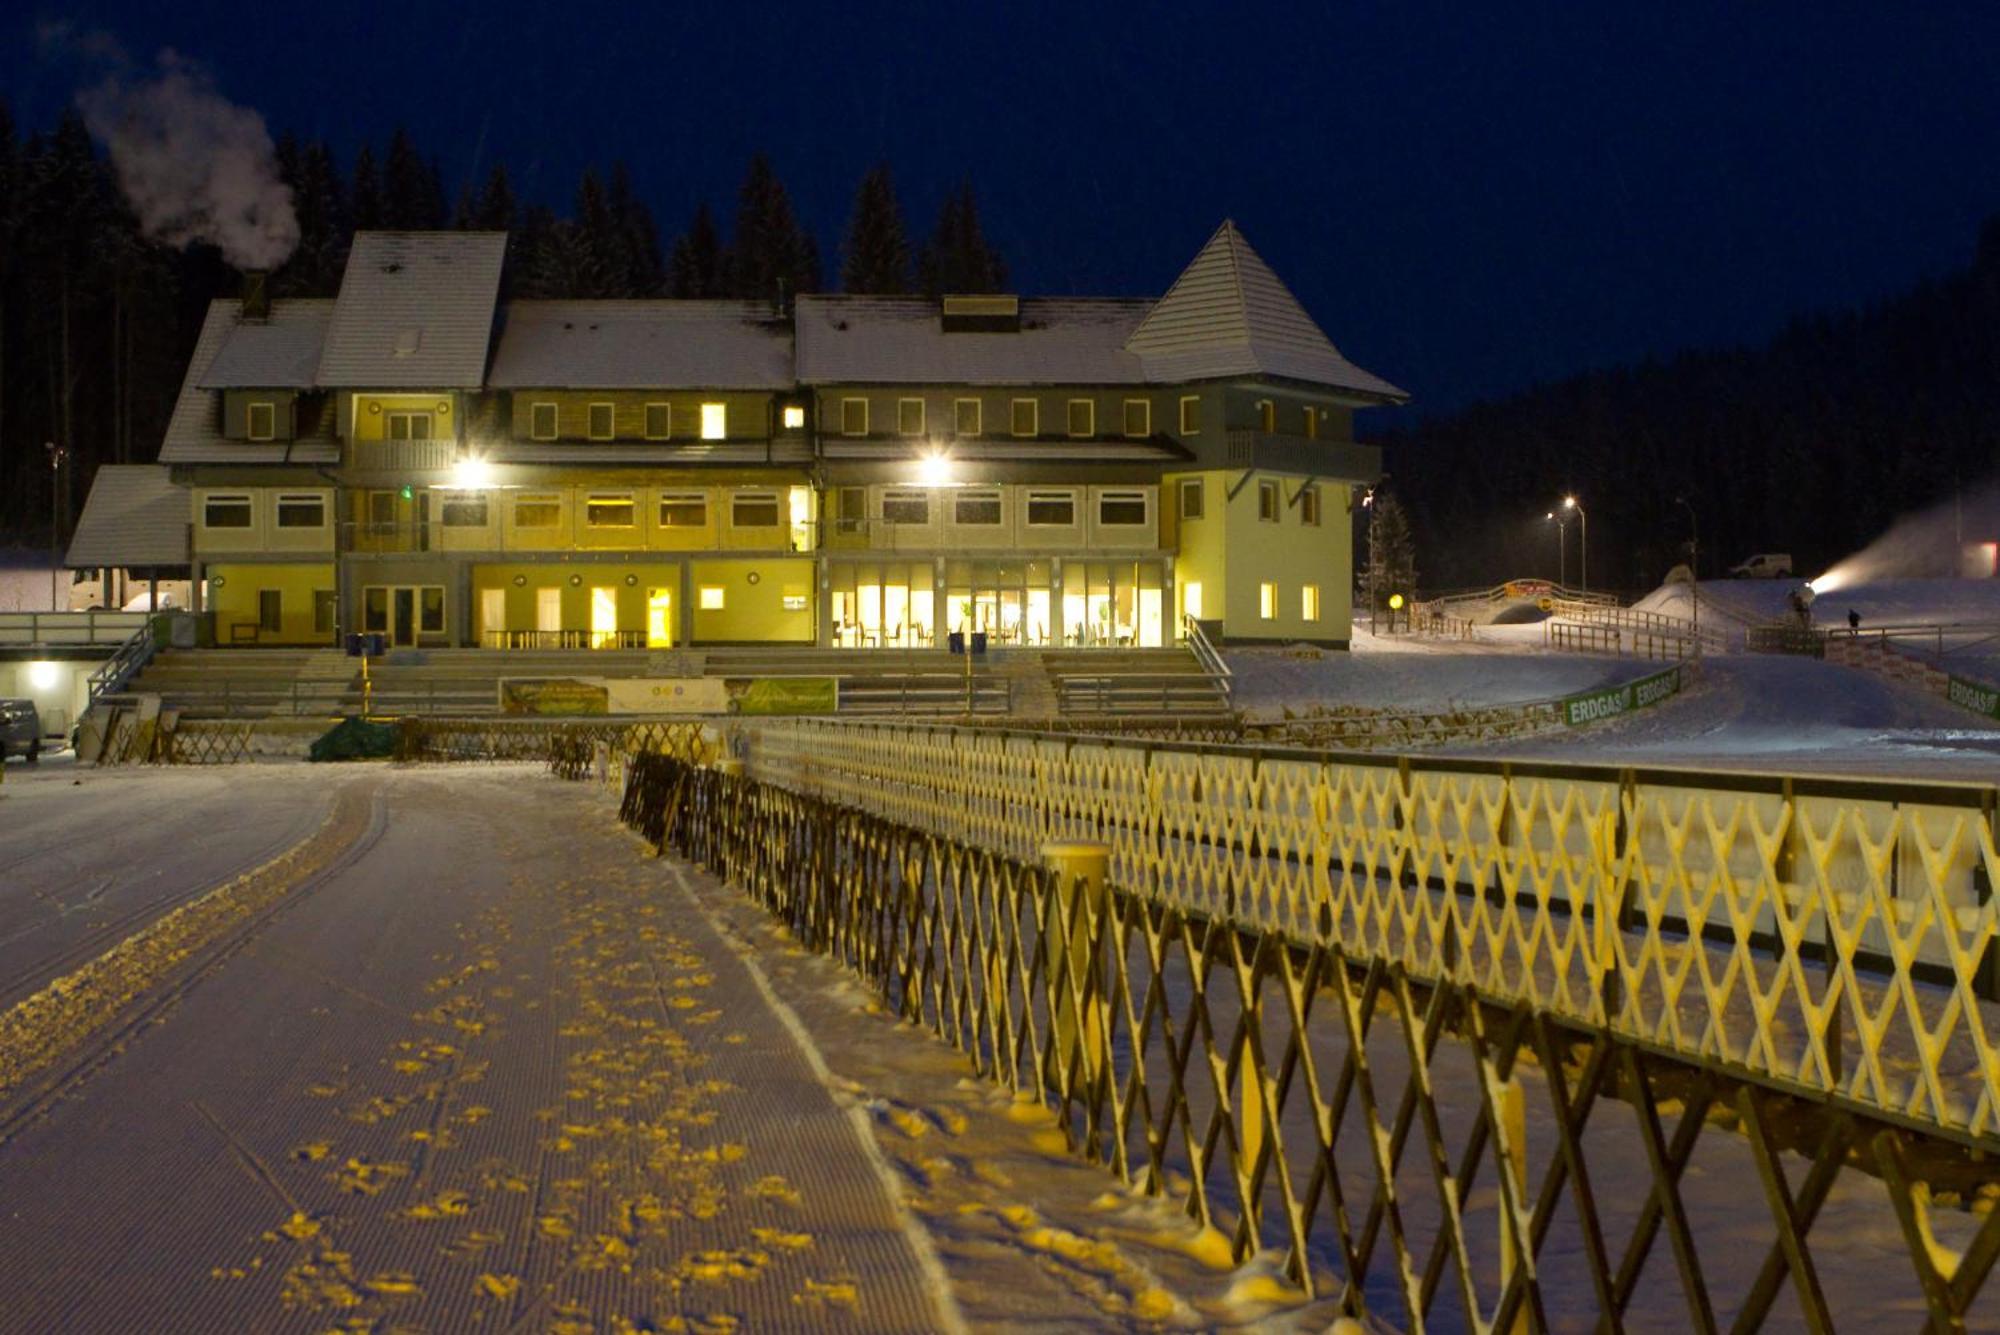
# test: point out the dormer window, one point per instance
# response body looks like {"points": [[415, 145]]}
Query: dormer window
{"points": [[263, 420], [1138, 418], [909, 417], [965, 417], [600, 421], [1190, 414], [714, 421], [409, 426], [1082, 417], [541, 421], [1027, 416], [854, 417], [659, 421]]}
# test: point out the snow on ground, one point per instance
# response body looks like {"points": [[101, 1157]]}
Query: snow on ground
{"points": [[1881, 603], [1505, 665], [24, 581]]}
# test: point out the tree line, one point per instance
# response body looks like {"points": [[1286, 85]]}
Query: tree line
{"points": [[1811, 444], [97, 321]]}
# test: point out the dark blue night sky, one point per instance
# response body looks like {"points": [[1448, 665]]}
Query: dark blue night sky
{"points": [[1470, 198]]}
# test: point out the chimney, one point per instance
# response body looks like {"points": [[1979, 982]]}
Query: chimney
{"points": [[256, 294]]}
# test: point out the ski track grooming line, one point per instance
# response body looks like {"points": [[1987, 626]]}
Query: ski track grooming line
{"points": [[950, 1318], [67, 1063]]}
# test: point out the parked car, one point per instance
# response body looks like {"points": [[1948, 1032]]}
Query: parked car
{"points": [[20, 730], [1764, 565]]}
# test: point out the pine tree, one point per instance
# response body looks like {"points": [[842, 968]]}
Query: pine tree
{"points": [[1392, 551], [526, 247], [639, 236], [695, 269], [770, 258], [314, 267], [594, 260], [494, 211], [875, 254], [412, 191], [958, 257], [366, 205]]}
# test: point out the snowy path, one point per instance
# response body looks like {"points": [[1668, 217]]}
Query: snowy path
{"points": [[486, 1072]]}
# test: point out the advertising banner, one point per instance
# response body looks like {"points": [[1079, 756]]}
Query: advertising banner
{"points": [[1974, 695], [1597, 706], [668, 695], [785, 695], [553, 697]]}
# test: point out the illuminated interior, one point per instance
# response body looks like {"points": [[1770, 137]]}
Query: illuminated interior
{"points": [[1091, 604]]}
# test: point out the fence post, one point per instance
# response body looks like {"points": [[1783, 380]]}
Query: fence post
{"points": [[1077, 869], [1511, 1105]]}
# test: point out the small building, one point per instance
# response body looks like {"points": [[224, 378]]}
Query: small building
{"points": [[420, 458]]}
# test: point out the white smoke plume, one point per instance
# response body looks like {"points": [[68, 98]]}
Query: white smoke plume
{"points": [[1956, 538], [193, 165]]}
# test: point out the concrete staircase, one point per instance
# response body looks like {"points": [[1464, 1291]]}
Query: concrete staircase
{"points": [[1169, 685]]}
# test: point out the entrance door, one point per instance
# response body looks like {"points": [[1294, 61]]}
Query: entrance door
{"points": [[493, 618], [403, 628], [548, 618], [659, 619], [604, 618]]}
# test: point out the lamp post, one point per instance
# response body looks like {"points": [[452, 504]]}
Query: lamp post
{"points": [[1694, 564], [1562, 547], [1582, 542], [58, 456], [1368, 504]]}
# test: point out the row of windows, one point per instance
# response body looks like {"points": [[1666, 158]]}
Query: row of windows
{"points": [[1267, 601], [237, 510], [601, 510], [982, 507], [1270, 501], [1024, 417], [709, 421]]}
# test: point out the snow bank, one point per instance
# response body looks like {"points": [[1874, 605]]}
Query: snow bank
{"points": [[1416, 675]]}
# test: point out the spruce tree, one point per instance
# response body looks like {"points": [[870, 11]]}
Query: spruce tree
{"points": [[1392, 551], [494, 210], [958, 258], [875, 254], [639, 236], [366, 207], [593, 260], [412, 194], [695, 270], [314, 268], [770, 258]]}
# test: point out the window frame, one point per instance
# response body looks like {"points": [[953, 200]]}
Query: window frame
{"points": [[847, 406], [409, 417], [958, 407], [903, 427], [521, 501], [594, 499], [1270, 501], [666, 411], [980, 496], [1197, 488], [1312, 422], [1047, 496], [270, 611], [681, 499], [425, 623], [1309, 602], [270, 410], [232, 499], [1034, 407], [1145, 407], [535, 407], [792, 417], [590, 430], [1089, 407], [452, 508], [1267, 600], [283, 499], [738, 499], [900, 496], [718, 428], [1125, 496], [711, 598], [1310, 505], [1267, 416], [1190, 414]]}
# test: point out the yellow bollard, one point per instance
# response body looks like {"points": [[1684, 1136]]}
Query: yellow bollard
{"points": [[1077, 867]]}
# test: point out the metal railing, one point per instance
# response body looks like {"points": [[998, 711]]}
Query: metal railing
{"points": [[69, 629], [1660, 625], [1205, 654], [564, 639], [1583, 637], [1295, 987], [110, 676]]}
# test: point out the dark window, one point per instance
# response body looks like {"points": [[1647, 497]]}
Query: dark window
{"points": [[301, 512], [659, 421], [1138, 418], [382, 508], [464, 512], [433, 609], [1052, 509], [409, 426], [756, 509], [537, 511], [910, 417], [1309, 506], [226, 512], [906, 507], [1267, 502], [375, 609], [600, 421], [1027, 417], [1121, 509], [854, 417], [976, 507], [542, 421], [1192, 497], [611, 512], [965, 417], [853, 516], [683, 509], [270, 611], [263, 421], [1082, 417]]}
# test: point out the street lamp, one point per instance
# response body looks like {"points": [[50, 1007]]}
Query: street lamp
{"points": [[1582, 542], [1562, 546], [58, 456]]}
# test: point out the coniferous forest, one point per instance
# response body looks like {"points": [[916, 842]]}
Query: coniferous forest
{"points": [[1810, 444]]}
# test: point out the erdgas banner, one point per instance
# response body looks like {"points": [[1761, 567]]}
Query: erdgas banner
{"points": [[1597, 706]]}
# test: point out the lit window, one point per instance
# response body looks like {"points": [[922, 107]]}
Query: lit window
{"points": [[709, 598], [659, 421], [1190, 414], [537, 510], [226, 512], [909, 417], [1192, 496], [1267, 416], [906, 507], [541, 421], [464, 512], [975, 508], [965, 417], [754, 509], [1309, 505], [683, 509], [301, 511], [854, 417], [1121, 509], [1027, 417], [1138, 418], [1191, 598], [1082, 417], [1052, 509], [1267, 502], [795, 417], [1267, 601], [599, 421], [1309, 602], [714, 421], [263, 421], [611, 512], [1312, 422]]}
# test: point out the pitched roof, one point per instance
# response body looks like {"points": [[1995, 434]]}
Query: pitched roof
{"points": [[134, 516], [641, 345], [415, 311], [1229, 315], [194, 434], [901, 340], [281, 352]]}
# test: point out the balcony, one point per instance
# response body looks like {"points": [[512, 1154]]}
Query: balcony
{"points": [[401, 456], [1281, 452]]}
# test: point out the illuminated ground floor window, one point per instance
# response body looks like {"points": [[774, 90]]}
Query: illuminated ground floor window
{"points": [[1080, 603], [882, 604]]}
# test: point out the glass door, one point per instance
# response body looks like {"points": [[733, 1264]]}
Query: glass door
{"points": [[403, 628]]}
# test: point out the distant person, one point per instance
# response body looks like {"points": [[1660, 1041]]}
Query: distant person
{"points": [[1853, 619], [1802, 601]]}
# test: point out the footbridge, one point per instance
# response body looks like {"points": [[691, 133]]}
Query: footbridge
{"points": [[1491, 1046]]}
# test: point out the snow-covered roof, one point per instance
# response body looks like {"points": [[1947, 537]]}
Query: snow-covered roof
{"points": [[281, 352], [902, 341], [1229, 315], [194, 432], [134, 516], [641, 345], [415, 311]]}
